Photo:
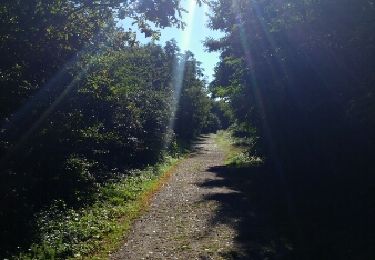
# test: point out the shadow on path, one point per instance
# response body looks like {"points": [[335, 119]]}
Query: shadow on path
{"points": [[324, 223], [196, 148], [255, 209]]}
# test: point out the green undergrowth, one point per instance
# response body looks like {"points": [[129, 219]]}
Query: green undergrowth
{"points": [[97, 230], [237, 149]]}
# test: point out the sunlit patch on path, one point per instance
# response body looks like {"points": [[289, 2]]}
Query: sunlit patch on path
{"points": [[182, 220], [211, 211]]}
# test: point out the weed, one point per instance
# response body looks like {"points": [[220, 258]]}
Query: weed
{"points": [[237, 150], [97, 230]]}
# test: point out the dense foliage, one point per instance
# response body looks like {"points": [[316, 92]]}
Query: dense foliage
{"points": [[81, 102], [300, 75]]}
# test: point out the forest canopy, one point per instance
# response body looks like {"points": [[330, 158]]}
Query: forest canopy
{"points": [[82, 102], [300, 75]]}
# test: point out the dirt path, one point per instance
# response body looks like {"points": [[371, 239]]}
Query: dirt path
{"points": [[182, 222]]}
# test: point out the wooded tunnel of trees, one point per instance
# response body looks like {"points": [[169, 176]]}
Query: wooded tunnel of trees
{"points": [[82, 102]]}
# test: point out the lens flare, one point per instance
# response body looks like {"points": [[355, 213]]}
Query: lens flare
{"points": [[179, 68], [259, 99], [56, 84]]}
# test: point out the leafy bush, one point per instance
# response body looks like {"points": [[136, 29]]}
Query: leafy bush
{"points": [[65, 232]]}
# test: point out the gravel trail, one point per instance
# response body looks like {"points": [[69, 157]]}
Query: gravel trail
{"points": [[181, 222]]}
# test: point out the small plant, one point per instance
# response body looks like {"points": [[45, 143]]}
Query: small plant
{"points": [[242, 159], [238, 149], [66, 233]]}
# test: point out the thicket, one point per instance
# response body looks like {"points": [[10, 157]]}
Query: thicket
{"points": [[299, 75], [82, 103]]}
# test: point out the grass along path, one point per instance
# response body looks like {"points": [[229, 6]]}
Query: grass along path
{"points": [[200, 207], [236, 150], [183, 221], [96, 231]]}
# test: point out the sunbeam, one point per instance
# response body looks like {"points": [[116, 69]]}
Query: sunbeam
{"points": [[186, 37], [259, 99], [55, 83], [179, 67]]}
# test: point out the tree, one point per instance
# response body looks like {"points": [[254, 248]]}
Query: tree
{"points": [[300, 73], [80, 101], [194, 104]]}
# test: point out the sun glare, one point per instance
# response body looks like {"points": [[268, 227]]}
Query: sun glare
{"points": [[179, 66], [187, 33]]}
